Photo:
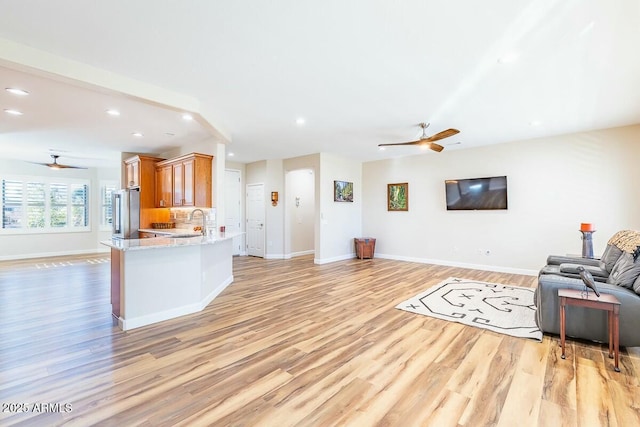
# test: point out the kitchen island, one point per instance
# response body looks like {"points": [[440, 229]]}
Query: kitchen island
{"points": [[160, 278]]}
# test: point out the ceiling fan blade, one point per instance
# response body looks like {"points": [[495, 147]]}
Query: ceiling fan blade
{"points": [[441, 135], [418, 142], [56, 165], [59, 166], [436, 147]]}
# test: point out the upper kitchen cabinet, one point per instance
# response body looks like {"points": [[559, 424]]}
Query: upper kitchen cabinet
{"points": [[140, 172], [186, 183]]}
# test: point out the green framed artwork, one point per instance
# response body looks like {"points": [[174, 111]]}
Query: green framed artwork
{"points": [[342, 191], [398, 197]]}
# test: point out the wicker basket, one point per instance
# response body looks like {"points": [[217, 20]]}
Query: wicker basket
{"points": [[163, 225]]}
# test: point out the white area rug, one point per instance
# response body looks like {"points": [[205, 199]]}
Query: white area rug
{"points": [[505, 309]]}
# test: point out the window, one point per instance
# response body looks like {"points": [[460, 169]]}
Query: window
{"points": [[44, 204], [106, 217]]}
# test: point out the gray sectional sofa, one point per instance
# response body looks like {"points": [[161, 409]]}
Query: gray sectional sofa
{"points": [[617, 272]]}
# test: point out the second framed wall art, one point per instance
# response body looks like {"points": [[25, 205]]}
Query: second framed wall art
{"points": [[398, 197], [342, 191]]}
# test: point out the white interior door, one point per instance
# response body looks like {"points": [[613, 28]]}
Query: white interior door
{"points": [[255, 220], [232, 195]]}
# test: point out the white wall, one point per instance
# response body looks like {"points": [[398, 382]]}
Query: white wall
{"points": [[554, 184], [300, 218], [274, 236], [257, 172], [340, 222], [335, 224], [310, 162], [271, 174], [16, 246]]}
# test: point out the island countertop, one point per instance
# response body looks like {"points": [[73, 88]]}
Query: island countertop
{"points": [[168, 242]]}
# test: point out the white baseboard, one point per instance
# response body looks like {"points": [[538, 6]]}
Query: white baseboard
{"points": [[482, 267], [334, 259], [137, 322], [214, 293], [274, 256], [297, 254], [53, 254]]}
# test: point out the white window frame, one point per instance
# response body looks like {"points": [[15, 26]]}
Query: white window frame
{"points": [[48, 180], [104, 225]]}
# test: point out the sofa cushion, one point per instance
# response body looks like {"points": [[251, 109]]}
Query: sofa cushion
{"points": [[573, 269], [610, 255], [625, 271]]}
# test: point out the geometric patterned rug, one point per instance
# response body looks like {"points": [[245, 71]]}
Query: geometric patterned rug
{"points": [[505, 309]]}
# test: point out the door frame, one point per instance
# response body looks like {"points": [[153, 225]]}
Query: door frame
{"points": [[238, 242]]}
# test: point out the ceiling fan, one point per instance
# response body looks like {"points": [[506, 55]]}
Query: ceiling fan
{"points": [[56, 165], [428, 141]]}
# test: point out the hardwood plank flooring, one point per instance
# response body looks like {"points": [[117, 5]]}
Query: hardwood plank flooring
{"points": [[289, 343]]}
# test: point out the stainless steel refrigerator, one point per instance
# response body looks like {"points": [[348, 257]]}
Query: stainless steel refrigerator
{"points": [[126, 213]]}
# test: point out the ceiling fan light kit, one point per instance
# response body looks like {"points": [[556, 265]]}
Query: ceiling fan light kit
{"points": [[428, 141]]}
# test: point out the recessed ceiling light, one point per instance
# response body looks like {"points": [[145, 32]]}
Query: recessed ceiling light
{"points": [[113, 112], [535, 123], [138, 134], [187, 116], [300, 121], [170, 134], [16, 91], [231, 154], [509, 57], [13, 112]]}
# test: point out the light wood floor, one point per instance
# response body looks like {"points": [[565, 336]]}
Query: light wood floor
{"points": [[289, 343]]}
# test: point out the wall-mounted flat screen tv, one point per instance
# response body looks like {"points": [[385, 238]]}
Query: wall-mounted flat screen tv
{"points": [[476, 194]]}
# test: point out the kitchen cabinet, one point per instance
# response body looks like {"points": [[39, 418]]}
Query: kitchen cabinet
{"points": [[189, 183], [164, 186], [140, 172]]}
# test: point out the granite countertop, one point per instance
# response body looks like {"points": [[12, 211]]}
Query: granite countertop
{"points": [[168, 241], [171, 231]]}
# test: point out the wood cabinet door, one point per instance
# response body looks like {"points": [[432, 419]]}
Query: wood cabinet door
{"points": [[178, 184], [164, 184], [189, 183]]}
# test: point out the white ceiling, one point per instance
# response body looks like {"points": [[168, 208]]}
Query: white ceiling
{"points": [[360, 72]]}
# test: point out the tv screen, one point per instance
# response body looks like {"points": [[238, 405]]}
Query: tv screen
{"points": [[477, 193]]}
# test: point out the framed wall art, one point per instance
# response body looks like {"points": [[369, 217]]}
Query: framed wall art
{"points": [[342, 191], [398, 197]]}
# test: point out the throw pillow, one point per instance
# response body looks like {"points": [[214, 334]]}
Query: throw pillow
{"points": [[636, 285], [610, 255], [625, 271]]}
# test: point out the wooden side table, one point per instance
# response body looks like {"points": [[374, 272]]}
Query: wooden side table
{"points": [[606, 302]]}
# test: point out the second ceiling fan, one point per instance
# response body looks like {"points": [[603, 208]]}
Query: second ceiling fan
{"points": [[428, 140]]}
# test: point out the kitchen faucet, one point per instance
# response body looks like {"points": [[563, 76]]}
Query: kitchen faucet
{"points": [[203, 219]]}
